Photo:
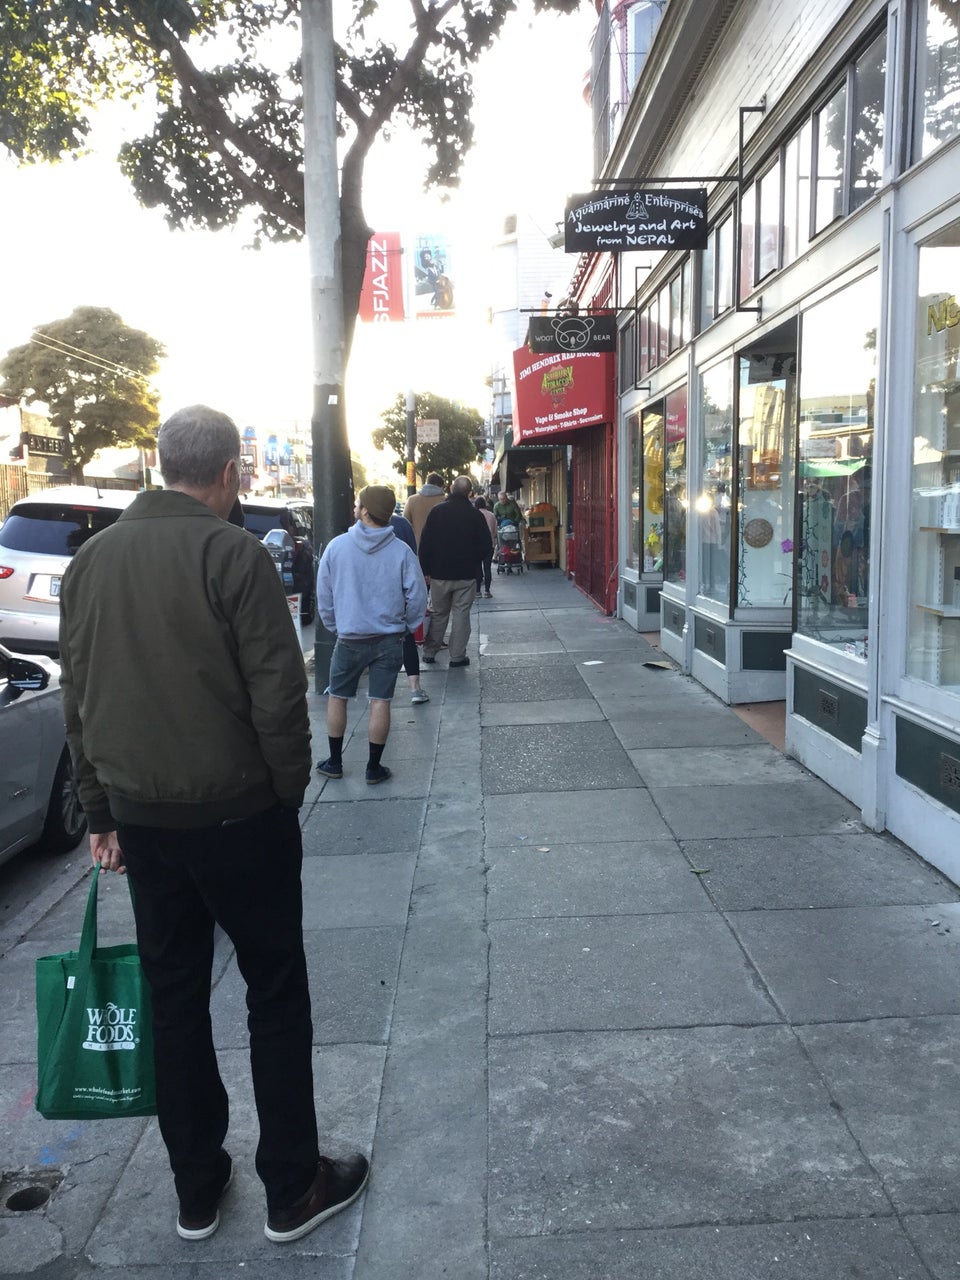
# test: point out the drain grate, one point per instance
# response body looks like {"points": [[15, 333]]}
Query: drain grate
{"points": [[24, 1190]]}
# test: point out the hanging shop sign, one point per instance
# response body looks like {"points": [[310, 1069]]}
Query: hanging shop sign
{"points": [[382, 295], [617, 221], [548, 334], [557, 393]]}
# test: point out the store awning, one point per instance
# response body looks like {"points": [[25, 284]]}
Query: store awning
{"points": [[522, 458], [557, 395]]}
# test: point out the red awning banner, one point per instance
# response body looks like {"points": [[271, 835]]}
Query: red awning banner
{"points": [[556, 393], [382, 295]]}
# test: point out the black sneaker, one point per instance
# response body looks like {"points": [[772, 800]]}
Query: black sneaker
{"points": [[429, 657], [377, 773], [329, 769], [201, 1225], [337, 1184], [460, 662]]}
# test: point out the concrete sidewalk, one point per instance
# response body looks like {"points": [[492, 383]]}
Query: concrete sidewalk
{"points": [[608, 987]]}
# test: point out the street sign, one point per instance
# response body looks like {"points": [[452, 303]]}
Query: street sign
{"points": [[428, 430]]}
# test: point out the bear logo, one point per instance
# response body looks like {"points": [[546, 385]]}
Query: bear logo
{"points": [[572, 332]]}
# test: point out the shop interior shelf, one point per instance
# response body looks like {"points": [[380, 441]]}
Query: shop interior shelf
{"points": [[940, 610]]}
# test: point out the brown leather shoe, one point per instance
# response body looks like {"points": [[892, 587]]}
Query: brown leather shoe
{"points": [[337, 1184]]}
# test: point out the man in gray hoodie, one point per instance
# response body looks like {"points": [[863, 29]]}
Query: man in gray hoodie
{"points": [[370, 592]]}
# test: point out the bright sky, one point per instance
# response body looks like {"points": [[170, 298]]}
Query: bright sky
{"points": [[235, 322]]}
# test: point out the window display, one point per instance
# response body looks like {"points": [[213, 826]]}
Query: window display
{"points": [[634, 557], [675, 487], [765, 500], [712, 503], [933, 643], [652, 517], [837, 384]]}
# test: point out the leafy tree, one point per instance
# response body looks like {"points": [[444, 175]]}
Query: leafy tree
{"points": [[226, 139], [92, 372], [359, 473], [456, 450]]}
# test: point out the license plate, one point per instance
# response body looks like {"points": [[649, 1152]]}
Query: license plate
{"points": [[54, 588]]}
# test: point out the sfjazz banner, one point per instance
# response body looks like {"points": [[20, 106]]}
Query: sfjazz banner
{"points": [[572, 333], [618, 221], [381, 297], [558, 392]]}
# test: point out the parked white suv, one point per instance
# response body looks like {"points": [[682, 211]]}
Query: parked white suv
{"points": [[37, 540]]}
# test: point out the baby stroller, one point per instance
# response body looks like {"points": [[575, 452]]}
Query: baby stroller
{"points": [[509, 553]]}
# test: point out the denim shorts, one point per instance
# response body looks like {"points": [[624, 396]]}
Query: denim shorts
{"points": [[382, 657]]}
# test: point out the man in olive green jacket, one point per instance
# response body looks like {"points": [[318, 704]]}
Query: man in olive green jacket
{"points": [[184, 693]]}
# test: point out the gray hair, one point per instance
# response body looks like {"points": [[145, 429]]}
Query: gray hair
{"points": [[462, 487], [195, 444]]}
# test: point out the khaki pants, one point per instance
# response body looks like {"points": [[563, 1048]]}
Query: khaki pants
{"points": [[450, 598]]}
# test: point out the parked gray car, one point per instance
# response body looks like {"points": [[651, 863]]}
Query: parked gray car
{"points": [[37, 540], [38, 795]]}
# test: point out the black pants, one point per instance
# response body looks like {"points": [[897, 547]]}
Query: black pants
{"points": [[411, 655], [244, 876], [484, 577]]}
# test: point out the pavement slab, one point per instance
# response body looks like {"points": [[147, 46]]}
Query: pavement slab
{"points": [[532, 684], [637, 722], [895, 1082], [708, 766], [809, 1250], [342, 828], [804, 806], [630, 1130], [605, 972], [559, 757], [860, 869], [624, 878], [573, 816], [567, 711], [856, 962]]}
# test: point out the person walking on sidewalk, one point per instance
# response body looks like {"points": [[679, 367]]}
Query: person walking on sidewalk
{"points": [[411, 654], [419, 505], [506, 508], [185, 705], [454, 541], [370, 592], [491, 519]]}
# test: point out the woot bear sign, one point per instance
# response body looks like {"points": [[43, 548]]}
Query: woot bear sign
{"points": [[551, 334]]}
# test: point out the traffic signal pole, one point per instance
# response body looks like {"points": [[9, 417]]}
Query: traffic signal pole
{"points": [[332, 479]]}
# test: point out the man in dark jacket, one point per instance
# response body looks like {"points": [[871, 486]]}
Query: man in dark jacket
{"points": [[454, 541], [184, 696]]}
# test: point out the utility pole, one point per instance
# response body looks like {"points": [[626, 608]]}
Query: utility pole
{"points": [[332, 478]]}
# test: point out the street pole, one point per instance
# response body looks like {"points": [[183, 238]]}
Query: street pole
{"points": [[332, 479], [411, 444]]}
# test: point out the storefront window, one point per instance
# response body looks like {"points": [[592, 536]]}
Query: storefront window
{"points": [[724, 267], [653, 490], [939, 75], [664, 323], [831, 130], [766, 443], [933, 640], [675, 487], [837, 381], [796, 195], [867, 163], [634, 557], [748, 222], [768, 222], [712, 503], [676, 313], [707, 282]]}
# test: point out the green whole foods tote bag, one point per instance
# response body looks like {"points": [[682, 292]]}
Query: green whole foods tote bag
{"points": [[94, 1030]]}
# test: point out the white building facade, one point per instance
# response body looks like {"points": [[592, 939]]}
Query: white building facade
{"points": [[788, 435]]}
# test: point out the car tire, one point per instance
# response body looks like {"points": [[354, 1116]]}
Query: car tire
{"points": [[66, 823]]}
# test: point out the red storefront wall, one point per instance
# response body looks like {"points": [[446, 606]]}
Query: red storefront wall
{"points": [[594, 515]]}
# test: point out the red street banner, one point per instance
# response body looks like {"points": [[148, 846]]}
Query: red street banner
{"points": [[382, 295], [558, 392]]}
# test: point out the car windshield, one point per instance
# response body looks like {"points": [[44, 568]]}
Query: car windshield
{"points": [[53, 530]]}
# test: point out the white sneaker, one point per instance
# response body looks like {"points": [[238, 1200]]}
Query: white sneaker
{"points": [[419, 696]]}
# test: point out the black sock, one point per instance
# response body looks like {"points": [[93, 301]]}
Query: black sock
{"points": [[336, 750], [376, 751]]}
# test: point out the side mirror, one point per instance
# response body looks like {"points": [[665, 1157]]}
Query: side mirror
{"points": [[24, 675]]}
